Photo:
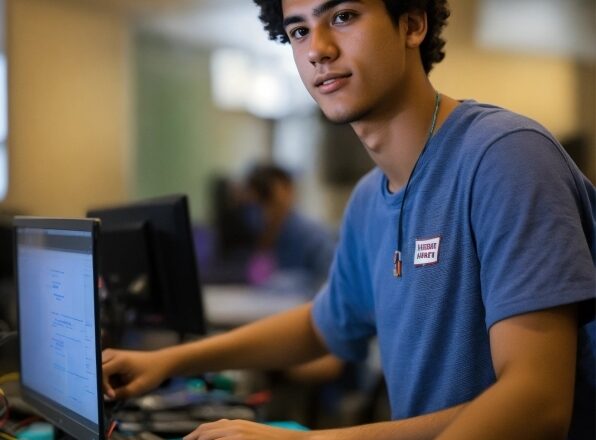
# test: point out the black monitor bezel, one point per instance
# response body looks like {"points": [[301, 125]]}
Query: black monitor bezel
{"points": [[179, 316], [61, 417]]}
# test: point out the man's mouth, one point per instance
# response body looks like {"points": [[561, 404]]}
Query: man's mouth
{"points": [[329, 78], [331, 82]]}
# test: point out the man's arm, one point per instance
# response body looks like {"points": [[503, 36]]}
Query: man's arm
{"points": [[321, 370], [276, 342], [425, 427], [534, 357]]}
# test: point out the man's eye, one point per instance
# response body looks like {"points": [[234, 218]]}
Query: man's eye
{"points": [[343, 17], [298, 33]]}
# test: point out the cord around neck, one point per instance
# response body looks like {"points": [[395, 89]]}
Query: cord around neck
{"points": [[397, 262]]}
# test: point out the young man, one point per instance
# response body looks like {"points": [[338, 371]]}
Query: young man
{"points": [[469, 251]]}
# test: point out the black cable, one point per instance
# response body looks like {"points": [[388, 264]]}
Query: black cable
{"points": [[397, 262]]}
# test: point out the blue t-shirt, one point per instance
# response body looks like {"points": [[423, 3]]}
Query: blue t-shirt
{"points": [[498, 221]]}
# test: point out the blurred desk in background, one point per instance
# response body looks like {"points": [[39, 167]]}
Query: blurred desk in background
{"points": [[229, 306]]}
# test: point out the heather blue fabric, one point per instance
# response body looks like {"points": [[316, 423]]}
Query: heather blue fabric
{"points": [[515, 219]]}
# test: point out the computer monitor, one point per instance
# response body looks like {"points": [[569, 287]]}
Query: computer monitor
{"points": [[58, 321], [170, 243]]}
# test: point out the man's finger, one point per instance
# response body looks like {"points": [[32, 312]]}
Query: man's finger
{"points": [[111, 365], [107, 355]]}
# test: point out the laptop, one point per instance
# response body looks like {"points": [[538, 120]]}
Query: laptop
{"points": [[58, 321]]}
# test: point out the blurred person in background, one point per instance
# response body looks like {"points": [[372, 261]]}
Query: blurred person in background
{"points": [[261, 238], [291, 252]]}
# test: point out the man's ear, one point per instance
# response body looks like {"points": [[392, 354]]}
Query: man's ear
{"points": [[416, 28]]}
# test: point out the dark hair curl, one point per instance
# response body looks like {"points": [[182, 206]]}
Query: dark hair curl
{"points": [[431, 49]]}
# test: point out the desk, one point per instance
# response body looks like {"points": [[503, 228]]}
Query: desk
{"points": [[229, 306]]}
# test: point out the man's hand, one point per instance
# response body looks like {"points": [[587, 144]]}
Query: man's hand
{"points": [[242, 430], [131, 373]]}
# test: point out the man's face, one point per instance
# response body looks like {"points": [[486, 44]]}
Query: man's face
{"points": [[349, 53]]}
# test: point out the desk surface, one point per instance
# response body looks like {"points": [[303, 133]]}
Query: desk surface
{"points": [[233, 305]]}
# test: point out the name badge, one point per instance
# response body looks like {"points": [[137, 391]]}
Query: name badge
{"points": [[427, 251]]}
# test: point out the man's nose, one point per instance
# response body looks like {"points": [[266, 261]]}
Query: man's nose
{"points": [[323, 47]]}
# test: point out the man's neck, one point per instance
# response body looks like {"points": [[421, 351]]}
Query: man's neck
{"points": [[396, 140]]}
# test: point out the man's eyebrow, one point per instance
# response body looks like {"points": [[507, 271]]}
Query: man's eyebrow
{"points": [[292, 19], [330, 4], [317, 12]]}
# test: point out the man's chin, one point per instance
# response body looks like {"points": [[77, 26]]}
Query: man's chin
{"points": [[343, 117]]}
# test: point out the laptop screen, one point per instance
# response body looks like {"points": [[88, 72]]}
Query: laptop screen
{"points": [[59, 333]]}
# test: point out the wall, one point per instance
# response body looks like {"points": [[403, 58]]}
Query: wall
{"points": [[540, 86], [69, 107], [183, 140], [556, 90]]}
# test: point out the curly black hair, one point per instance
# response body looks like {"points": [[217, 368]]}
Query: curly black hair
{"points": [[431, 49]]}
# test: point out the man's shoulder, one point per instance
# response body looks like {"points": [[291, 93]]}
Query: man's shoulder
{"points": [[479, 123], [475, 129]]}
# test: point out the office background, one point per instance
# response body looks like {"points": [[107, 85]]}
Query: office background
{"points": [[110, 101]]}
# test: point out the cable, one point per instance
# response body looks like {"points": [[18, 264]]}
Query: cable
{"points": [[111, 429], [397, 262]]}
